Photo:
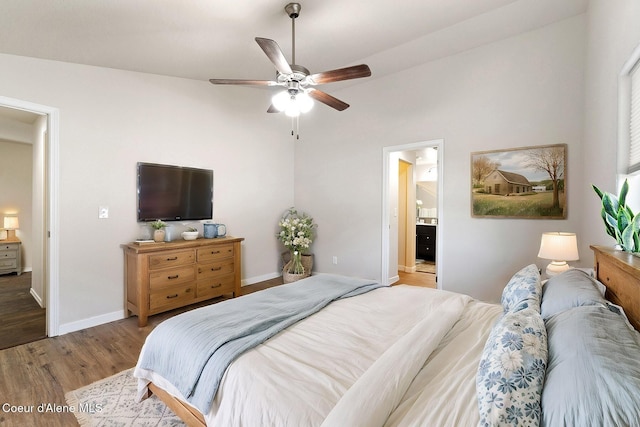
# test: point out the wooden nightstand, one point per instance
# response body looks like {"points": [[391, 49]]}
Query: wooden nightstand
{"points": [[10, 256]]}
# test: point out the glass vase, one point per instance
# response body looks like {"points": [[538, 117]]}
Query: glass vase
{"points": [[296, 263]]}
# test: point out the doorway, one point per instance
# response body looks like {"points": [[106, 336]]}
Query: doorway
{"points": [[44, 211], [394, 234]]}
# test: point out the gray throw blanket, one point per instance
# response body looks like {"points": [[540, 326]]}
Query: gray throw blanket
{"points": [[193, 350]]}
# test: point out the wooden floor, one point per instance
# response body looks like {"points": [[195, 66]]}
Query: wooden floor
{"points": [[22, 320], [43, 371], [417, 279]]}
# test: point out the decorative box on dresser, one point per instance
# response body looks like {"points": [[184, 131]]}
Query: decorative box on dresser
{"points": [[164, 276], [10, 256]]}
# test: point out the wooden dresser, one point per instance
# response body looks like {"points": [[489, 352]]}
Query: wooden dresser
{"points": [[163, 276], [10, 256], [620, 272]]}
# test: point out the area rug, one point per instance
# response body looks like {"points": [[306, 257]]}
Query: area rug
{"points": [[426, 267], [111, 402]]}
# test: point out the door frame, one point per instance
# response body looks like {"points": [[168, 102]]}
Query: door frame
{"points": [[386, 214], [51, 236]]}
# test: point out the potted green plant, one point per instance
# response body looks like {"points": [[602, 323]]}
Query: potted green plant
{"points": [[158, 230], [619, 220]]}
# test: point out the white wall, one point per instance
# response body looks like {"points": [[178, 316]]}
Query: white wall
{"points": [[522, 91], [111, 119], [614, 32]]}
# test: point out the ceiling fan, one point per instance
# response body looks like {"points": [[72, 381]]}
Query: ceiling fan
{"points": [[297, 80]]}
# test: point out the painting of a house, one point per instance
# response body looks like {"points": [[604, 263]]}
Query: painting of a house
{"points": [[504, 183], [526, 182]]}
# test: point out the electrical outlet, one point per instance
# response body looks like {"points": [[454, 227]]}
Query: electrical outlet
{"points": [[103, 212], [335, 259]]}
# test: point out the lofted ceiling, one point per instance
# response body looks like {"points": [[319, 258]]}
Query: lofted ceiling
{"points": [[202, 39]]}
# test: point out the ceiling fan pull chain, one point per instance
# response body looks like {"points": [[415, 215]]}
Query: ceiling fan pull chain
{"points": [[295, 127]]}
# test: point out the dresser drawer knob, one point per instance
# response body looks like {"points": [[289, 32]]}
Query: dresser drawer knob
{"points": [[216, 268], [216, 286], [215, 252], [172, 258], [172, 296], [173, 277]]}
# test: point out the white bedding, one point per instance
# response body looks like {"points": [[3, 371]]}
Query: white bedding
{"points": [[395, 356]]}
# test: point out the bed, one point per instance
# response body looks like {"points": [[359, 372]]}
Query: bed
{"points": [[558, 354]]}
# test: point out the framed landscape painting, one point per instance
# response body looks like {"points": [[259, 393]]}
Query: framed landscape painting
{"points": [[528, 182]]}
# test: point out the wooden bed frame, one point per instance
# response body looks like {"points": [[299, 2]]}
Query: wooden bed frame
{"points": [[619, 271]]}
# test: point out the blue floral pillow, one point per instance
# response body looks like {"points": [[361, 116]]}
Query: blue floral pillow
{"points": [[523, 290], [512, 369]]}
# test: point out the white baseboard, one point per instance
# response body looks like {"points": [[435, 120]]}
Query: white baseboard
{"points": [[118, 315], [91, 322], [393, 279], [258, 279], [36, 297]]}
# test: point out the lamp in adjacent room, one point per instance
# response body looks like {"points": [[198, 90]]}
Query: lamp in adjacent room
{"points": [[559, 247], [11, 225]]}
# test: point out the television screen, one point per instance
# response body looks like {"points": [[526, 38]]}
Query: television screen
{"points": [[174, 193]]}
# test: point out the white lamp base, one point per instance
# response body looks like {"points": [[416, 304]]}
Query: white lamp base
{"points": [[557, 267]]}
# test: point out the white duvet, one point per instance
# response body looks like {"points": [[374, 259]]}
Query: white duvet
{"points": [[397, 356]]}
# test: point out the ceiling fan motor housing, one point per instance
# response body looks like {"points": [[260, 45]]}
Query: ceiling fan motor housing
{"points": [[298, 75]]}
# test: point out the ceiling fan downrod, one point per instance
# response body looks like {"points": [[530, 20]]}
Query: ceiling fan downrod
{"points": [[293, 11]]}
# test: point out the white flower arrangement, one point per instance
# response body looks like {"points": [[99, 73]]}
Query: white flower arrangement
{"points": [[296, 231]]}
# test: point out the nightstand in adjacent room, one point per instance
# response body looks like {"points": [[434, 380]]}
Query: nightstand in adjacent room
{"points": [[10, 256]]}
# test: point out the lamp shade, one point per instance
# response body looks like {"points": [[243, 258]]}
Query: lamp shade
{"points": [[11, 223], [559, 246]]}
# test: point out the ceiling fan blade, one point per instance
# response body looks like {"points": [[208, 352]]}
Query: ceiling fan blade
{"points": [[243, 82], [273, 109], [275, 55], [327, 99], [354, 72]]}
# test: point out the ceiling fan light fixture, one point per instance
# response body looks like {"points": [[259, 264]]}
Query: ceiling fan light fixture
{"points": [[292, 103], [304, 101], [281, 100]]}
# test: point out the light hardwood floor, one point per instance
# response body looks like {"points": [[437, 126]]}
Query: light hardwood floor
{"points": [[426, 280], [43, 371]]}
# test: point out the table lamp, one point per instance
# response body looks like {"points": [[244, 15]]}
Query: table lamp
{"points": [[559, 247], [11, 225]]}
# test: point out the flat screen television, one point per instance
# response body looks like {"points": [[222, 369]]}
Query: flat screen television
{"points": [[174, 193]]}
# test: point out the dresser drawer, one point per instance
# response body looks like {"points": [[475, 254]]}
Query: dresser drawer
{"points": [[171, 259], [8, 263], [215, 253], [13, 254], [216, 286], [215, 269], [171, 277], [171, 297]]}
